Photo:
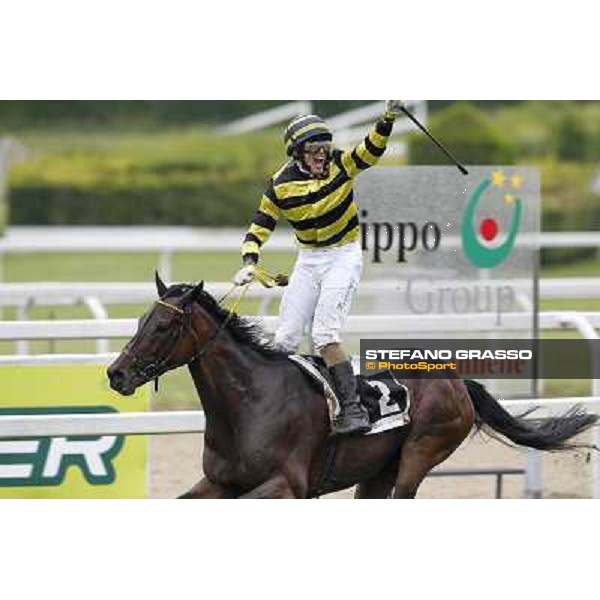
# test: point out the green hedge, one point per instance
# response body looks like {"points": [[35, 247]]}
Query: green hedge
{"points": [[201, 200], [574, 142], [190, 178], [468, 132], [569, 204], [564, 130]]}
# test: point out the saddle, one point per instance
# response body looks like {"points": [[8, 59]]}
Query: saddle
{"points": [[386, 399]]}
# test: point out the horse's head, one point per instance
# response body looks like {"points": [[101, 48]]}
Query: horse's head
{"points": [[165, 339]]}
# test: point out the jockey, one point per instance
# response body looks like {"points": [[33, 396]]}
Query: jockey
{"points": [[314, 192]]}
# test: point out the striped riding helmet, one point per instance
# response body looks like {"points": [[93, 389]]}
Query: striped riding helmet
{"points": [[304, 128]]}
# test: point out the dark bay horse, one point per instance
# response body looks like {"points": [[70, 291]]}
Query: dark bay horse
{"points": [[267, 425]]}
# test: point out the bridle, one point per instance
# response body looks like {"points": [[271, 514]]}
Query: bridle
{"points": [[154, 370]]}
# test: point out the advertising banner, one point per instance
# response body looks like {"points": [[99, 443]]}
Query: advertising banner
{"points": [[110, 466]]}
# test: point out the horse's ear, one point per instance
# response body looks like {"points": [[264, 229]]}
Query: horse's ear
{"points": [[193, 294], [160, 285]]}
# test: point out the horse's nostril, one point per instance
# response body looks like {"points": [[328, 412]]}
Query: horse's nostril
{"points": [[115, 377]]}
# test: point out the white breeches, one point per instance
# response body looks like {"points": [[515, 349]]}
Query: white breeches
{"points": [[320, 291]]}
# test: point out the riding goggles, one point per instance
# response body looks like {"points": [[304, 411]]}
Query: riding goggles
{"points": [[314, 147]]}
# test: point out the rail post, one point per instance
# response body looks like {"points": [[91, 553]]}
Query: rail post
{"points": [[533, 475], [23, 315]]}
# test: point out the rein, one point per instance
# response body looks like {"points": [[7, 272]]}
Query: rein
{"points": [[264, 277], [222, 326]]}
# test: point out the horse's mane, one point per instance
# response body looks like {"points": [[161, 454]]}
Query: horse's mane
{"points": [[242, 329]]}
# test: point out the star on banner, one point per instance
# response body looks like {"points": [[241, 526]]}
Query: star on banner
{"points": [[498, 178], [516, 181]]}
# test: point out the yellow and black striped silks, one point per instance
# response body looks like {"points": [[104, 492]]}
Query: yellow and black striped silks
{"points": [[322, 212]]}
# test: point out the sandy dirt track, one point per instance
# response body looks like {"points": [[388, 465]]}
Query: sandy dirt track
{"points": [[176, 464]]}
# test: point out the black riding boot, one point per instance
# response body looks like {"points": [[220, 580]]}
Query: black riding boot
{"points": [[353, 417]]}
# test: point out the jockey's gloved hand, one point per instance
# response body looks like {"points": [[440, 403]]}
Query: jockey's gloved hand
{"points": [[245, 275], [393, 108]]}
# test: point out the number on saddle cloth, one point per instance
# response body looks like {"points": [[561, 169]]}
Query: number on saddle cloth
{"points": [[382, 395]]}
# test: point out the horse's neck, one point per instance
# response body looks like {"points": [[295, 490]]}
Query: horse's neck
{"points": [[221, 378]]}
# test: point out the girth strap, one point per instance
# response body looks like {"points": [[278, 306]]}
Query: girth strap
{"points": [[326, 466]]}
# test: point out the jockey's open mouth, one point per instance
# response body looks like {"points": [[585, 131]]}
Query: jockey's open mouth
{"points": [[317, 161], [318, 165]]}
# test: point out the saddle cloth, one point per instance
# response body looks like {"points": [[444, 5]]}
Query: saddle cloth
{"points": [[386, 399]]}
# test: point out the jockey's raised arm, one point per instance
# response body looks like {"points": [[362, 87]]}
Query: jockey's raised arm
{"points": [[370, 150]]}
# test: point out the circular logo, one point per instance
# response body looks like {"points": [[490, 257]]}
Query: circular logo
{"points": [[478, 242]]}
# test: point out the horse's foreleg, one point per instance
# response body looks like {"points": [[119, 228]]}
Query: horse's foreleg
{"points": [[206, 490], [277, 487]]}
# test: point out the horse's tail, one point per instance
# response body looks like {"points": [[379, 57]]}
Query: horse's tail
{"points": [[550, 434]]}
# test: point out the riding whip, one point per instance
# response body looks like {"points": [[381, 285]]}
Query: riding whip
{"points": [[433, 139]]}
